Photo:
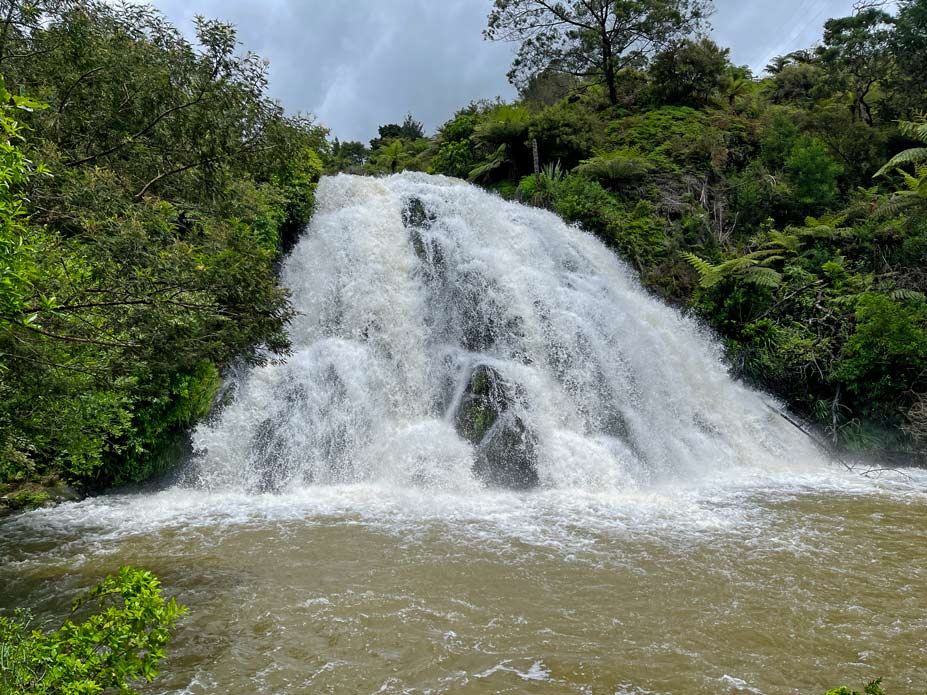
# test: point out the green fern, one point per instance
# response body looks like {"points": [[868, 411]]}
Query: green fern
{"points": [[905, 295], [914, 130], [917, 184], [498, 159], [763, 277], [709, 275]]}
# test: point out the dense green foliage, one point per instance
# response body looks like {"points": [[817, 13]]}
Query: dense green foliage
{"points": [[106, 649], [873, 688], [765, 205], [589, 39], [144, 207]]}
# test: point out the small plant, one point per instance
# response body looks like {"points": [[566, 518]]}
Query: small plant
{"points": [[873, 688], [120, 642]]}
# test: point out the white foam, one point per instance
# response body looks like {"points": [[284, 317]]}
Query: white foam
{"points": [[618, 389]]}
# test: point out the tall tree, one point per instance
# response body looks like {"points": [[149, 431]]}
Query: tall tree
{"points": [[857, 51], [909, 51], [590, 38], [690, 73]]}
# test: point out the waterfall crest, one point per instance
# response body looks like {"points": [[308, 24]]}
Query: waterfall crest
{"points": [[450, 339]]}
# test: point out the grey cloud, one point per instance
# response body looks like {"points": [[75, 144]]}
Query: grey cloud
{"points": [[757, 30], [358, 64]]}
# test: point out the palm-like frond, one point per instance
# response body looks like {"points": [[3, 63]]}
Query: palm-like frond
{"points": [[789, 242], [902, 294], [915, 155], [914, 130], [764, 277], [709, 275], [498, 159], [747, 268], [823, 231]]}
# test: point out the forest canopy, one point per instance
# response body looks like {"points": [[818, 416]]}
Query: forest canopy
{"points": [[148, 186]]}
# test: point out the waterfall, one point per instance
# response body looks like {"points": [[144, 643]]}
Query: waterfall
{"points": [[447, 338]]}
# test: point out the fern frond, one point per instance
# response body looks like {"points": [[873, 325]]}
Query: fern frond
{"points": [[823, 232], [763, 277], [736, 265], [913, 156], [789, 242], [760, 254], [903, 294], [709, 275], [498, 158], [846, 300], [914, 130]]}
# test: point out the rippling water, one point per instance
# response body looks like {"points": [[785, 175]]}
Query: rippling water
{"points": [[742, 586]]}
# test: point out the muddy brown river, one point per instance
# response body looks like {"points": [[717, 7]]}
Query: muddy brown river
{"points": [[788, 585]]}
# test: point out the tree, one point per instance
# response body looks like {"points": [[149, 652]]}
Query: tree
{"points": [[690, 73], [175, 181], [777, 64], [908, 45], [409, 130], [857, 51], [736, 82], [349, 154], [590, 39]]}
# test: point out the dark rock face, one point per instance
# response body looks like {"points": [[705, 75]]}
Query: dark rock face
{"points": [[505, 445], [269, 451], [507, 456], [415, 217], [418, 220], [415, 214]]}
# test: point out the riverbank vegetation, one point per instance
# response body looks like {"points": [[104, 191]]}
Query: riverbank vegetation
{"points": [[788, 210], [114, 638], [147, 187]]}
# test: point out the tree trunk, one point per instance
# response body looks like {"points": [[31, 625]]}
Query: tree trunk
{"points": [[609, 69]]}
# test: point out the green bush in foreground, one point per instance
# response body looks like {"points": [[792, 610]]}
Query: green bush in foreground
{"points": [[874, 688], [120, 642]]}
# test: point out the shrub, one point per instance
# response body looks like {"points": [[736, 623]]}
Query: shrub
{"points": [[119, 643]]}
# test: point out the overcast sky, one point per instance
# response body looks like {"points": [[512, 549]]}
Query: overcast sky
{"points": [[356, 64]]}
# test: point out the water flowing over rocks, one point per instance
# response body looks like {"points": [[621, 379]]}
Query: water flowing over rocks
{"points": [[450, 339]]}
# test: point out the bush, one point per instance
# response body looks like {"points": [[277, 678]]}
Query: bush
{"points": [[119, 643], [887, 354], [812, 174]]}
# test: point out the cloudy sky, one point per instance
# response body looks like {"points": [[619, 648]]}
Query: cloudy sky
{"points": [[356, 64]]}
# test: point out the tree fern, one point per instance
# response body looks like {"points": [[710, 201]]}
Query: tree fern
{"points": [[914, 130], [498, 159], [916, 192]]}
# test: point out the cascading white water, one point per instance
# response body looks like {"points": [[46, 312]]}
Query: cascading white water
{"points": [[446, 334]]}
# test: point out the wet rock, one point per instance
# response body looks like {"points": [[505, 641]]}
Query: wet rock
{"points": [[416, 218], [415, 214], [418, 244], [483, 402], [505, 445], [507, 456], [268, 452]]}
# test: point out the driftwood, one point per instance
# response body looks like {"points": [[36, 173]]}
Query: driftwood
{"points": [[831, 450]]}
